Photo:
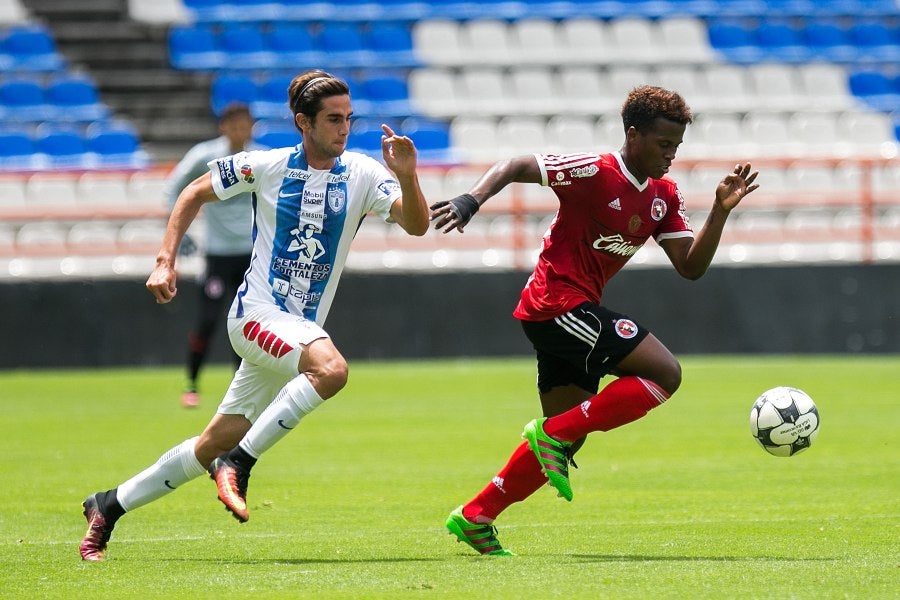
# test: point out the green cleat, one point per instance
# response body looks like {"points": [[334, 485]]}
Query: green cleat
{"points": [[553, 456], [481, 537]]}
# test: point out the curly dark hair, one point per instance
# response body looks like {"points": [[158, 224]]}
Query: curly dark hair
{"points": [[647, 103], [307, 90]]}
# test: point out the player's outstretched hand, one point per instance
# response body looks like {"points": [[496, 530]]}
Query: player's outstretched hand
{"points": [[162, 284], [455, 213], [398, 151], [737, 184]]}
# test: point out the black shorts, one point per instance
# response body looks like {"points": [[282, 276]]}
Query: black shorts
{"points": [[581, 346]]}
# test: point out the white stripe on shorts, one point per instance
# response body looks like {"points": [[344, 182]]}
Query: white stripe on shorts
{"points": [[578, 328]]}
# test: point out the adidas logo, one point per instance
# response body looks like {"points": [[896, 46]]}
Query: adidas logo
{"points": [[585, 406], [615, 204], [498, 481]]}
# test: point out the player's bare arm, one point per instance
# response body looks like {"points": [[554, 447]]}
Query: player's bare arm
{"points": [[692, 258], [456, 213], [411, 211], [162, 281]]}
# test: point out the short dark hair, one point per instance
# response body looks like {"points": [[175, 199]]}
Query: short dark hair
{"points": [[307, 90], [647, 103], [234, 110]]}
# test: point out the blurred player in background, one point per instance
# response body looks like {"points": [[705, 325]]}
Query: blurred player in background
{"points": [[308, 204], [609, 205], [226, 244]]}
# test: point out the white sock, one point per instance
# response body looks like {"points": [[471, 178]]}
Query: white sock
{"points": [[175, 467], [296, 399]]}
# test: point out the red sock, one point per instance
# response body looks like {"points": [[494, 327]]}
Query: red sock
{"points": [[624, 400], [519, 479]]}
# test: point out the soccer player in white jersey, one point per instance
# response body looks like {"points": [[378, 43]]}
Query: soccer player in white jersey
{"points": [[609, 205], [307, 204]]}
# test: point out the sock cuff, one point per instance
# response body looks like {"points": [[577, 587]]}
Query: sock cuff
{"points": [[657, 392], [302, 394], [190, 464]]}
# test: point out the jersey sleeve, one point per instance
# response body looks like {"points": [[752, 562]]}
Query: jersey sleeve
{"points": [[384, 191], [232, 175], [675, 222]]}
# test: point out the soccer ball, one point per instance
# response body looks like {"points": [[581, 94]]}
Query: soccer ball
{"points": [[784, 421]]}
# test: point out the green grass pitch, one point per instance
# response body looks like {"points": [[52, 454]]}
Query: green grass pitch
{"points": [[681, 504]]}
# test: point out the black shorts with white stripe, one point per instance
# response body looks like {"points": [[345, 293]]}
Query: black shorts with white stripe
{"points": [[581, 346]]}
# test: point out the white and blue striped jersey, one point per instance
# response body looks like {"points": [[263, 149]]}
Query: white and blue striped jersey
{"points": [[303, 222]]}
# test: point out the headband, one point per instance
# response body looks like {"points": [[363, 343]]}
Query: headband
{"points": [[309, 83]]}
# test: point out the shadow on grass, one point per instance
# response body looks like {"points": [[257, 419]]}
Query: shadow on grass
{"points": [[301, 561], [646, 558]]}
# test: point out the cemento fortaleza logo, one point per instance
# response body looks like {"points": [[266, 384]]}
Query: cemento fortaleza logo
{"points": [[615, 244]]}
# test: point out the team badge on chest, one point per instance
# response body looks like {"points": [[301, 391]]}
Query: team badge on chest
{"points": [[658, 209], [336, 199]]}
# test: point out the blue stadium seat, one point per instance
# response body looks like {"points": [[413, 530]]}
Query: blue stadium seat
{"points": [[194, 48], [272, 98], [343, 45], [17, 150], [875, 89], [734, 41], [62, 146], [432, 138], [75, 98], [782, 42], [292, 44], [830, 42], [22, 99], [115, 144], [245, 47], [276, 134], [32, 49], [232, 88], [384, 95], [365, 137], [876, 41], [392, 43]]}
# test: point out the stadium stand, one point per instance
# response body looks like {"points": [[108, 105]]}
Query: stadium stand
{"points": [[809, 90]]}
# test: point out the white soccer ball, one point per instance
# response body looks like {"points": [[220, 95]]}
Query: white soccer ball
{"points": [[784, 420]]}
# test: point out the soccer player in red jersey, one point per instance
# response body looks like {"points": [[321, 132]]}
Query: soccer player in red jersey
{"points": [[609, 205]]}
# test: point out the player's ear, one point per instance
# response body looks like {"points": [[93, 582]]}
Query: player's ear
{"points": [[301, 121]]}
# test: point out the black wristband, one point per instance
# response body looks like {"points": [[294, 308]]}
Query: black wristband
{"points": [[466, 206]]}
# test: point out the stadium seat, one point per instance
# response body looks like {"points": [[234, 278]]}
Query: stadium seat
{"points": [[275, 134], [45, 188], [767, 132], [684, 40], [392, 44], [17, 150], [585, 90], [22, 100], [487, 91], [634, 40], [12, 192], [244, 47], [624, 78], [32, 48], [830, 42], [437, 42], [537, 41], [365, 137], [41, 238], [194, 48], [734, 42], [91, 237], [486, 42], [875, 41], [521, 135], [271, 101], [13, 12], [729, 85], [382, 94], [292, 44], [868, 132], [564, 133], [115, 144], [432, 138], [75, 98], [342, 44], [781, 42], [817, 132], [230, 88], [434, 92], [585, 41], [64, 147], [475, 138], [825, 86], [535, 89], [775, 87], [875, 89]]}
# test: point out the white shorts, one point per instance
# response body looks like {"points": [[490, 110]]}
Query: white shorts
{"points": [[270, 341]]}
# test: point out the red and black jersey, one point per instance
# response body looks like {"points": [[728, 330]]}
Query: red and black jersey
{"points": [[604, 217]]}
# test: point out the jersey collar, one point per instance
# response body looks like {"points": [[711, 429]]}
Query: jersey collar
{"points": [[640, 186]]}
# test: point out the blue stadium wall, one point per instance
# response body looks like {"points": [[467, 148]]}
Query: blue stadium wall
{"points": [[804, 309]]}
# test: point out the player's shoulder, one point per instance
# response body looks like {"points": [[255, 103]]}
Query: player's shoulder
{"points": [[571, 160]]}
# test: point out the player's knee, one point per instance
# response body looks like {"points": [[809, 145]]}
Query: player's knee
{"points": [[330, 376], [670, 378]]}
